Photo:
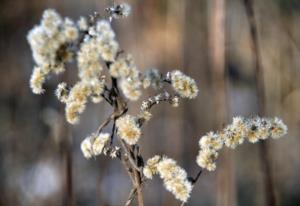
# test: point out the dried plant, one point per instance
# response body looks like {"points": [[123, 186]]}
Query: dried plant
{"points": [[91, 43]]}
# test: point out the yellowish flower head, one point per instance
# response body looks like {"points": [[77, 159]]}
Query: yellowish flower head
{"points": [[206, 159], [184, 85], [150, 168], [128, 129], [94, 144]]}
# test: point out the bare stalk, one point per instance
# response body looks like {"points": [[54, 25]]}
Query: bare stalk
{"points": [[138, 182], [66, 146], [133, 193]]}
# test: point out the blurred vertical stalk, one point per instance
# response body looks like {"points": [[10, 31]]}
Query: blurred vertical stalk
{"points": [[269, 195], [216, 29], [66, 148]]}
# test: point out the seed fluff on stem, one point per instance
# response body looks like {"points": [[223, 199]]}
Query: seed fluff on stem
{"points": [[128, 129], [241, 129]]}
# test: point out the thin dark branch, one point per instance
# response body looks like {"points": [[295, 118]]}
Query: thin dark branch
{"points": [[128, 153], [195, 179], [107, 99], [112, 133], [105, 123]]}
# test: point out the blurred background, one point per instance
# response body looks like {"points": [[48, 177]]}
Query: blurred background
{"points": [[210, 40]]}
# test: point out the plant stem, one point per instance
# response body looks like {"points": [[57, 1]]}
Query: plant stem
{"points": [[138, 187], [120, 108]]}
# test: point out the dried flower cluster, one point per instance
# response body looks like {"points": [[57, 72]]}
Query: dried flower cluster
{"points": [[97, 144], [94, 144], [91, 43], [128, 129], [174, 177], [47, 40], [57, 41], [184, 85], [241, 129]]}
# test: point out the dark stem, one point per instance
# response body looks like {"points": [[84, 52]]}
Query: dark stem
{"points": [[195, 179], [69, 201], [112, 133]]}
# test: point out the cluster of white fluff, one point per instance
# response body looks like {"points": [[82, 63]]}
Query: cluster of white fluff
{"points": [[55, 41], [150, 168], [144, 116], [79, 95], [128, 129], [184, 85], [241, 129], [101, 40], [125, 69], [94, 144], [47, 40], [98, 44], [52, 43], [174, 177]]}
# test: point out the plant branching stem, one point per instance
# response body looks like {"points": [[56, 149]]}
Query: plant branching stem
{"points": [[128, 157]]}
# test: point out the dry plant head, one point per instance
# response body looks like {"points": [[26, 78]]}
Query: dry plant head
{"points": [[92, 45]]}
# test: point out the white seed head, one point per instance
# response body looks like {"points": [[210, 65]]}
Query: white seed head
{"points": [[128, 129], [62, 92], [184, 85]]}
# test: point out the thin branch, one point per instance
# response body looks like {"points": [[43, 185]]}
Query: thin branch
{"points": [[138, 181], [114, 116], [112, 133], [105, 123], [195, 179], [127, 167], [106, 95], [133, 193], [157, 99], [128, 153]]}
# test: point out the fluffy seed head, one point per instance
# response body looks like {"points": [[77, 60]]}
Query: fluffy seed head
{"points": [[206, 159], [94, 144], [150, 168], [184, 85], [62, 92], [128, 129]]}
